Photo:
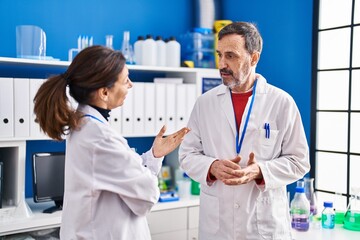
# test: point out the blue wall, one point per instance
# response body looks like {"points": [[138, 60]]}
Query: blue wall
{"points": [[286, 27], [64, 20]]}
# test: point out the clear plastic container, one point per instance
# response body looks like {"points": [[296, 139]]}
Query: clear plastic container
{"points": [[30, 42], [198, 47]]}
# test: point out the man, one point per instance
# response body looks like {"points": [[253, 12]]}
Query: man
{"points": [[247, 142]]}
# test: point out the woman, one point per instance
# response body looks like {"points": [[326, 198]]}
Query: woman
{"points": [[109, 188]]}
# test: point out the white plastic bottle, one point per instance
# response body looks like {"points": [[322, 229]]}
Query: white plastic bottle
{"points": [[148, 56], [161, 51], [138, 45], [173, 51]]}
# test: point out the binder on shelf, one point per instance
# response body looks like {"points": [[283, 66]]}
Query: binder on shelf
{"points": [[181, 113], [35, 131], [191, 98], [127, 116], [115, 119], [170, 108], [6, 107], [149, 109], [21, 107], [160, 109], [139, 111]]}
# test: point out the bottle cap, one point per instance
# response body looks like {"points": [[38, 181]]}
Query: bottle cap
{"points": [[328, 204], [172, 38], [299, 190]]}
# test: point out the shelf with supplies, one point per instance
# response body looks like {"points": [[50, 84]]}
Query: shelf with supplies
{"points": [[155, 104], [19, 81]]}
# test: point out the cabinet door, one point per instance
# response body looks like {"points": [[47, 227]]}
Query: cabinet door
{"points": [[175, 235], [193, 234], [193, 217], [167, 220]]}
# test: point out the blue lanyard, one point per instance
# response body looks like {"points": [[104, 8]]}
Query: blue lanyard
{"points": [[91, 116], [239, 144]]}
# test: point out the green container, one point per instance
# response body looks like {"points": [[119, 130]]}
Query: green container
{"points": [[339, 217], [195, 187], [352, 221]]}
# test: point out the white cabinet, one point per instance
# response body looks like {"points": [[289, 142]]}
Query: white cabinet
{"points": [[175, 223], [193, 223], [167, 220]]}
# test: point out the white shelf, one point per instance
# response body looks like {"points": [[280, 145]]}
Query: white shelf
{"points": [[34, 62]]}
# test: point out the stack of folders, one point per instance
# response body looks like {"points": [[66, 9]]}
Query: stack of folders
{"points": [[147, 107], [16, 108]]}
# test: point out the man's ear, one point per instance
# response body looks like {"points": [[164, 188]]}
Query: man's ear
{"points": [[255, 57]]}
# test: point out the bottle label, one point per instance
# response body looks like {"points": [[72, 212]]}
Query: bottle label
{"points": [[299, 211], [328, 220], [300, 223]]}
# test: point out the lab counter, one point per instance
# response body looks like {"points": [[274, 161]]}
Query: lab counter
{"points": [[318, 233], [38, 220]]}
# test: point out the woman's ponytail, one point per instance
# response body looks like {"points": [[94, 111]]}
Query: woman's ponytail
{"points": [[52, 108]]}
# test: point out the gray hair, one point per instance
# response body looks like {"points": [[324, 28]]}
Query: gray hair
{"points": [[253, 39]]}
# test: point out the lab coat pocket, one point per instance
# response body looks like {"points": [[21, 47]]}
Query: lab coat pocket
{"points": [[209, 213], [265, 144], [271, 218]]}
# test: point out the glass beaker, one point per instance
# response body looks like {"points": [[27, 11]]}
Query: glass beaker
{"points": [[310, 194], [30, 42], [352, 215], [109, 41]]}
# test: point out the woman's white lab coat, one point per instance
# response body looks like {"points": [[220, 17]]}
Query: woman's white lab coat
{"points": [[248, 211], [108, 190]]}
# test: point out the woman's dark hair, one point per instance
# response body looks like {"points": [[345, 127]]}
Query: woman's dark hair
{"points": [[93, 68], [253, 39]]}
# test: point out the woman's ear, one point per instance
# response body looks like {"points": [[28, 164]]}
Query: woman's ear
{"points": [[104, 94]]}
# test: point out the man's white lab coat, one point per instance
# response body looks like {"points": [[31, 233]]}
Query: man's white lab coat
{"points": [[249, 211]]}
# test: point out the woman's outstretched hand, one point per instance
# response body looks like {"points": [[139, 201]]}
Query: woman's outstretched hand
{"points": [[164, 145]]}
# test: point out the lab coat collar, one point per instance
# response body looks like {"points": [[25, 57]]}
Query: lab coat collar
{"points": [[86, 109], [223, 93]]}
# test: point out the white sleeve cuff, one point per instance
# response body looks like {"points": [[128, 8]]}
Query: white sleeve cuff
{"points": [[154, 164]]}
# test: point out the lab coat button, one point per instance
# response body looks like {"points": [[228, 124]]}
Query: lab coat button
{"points": [[236, 205]]}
